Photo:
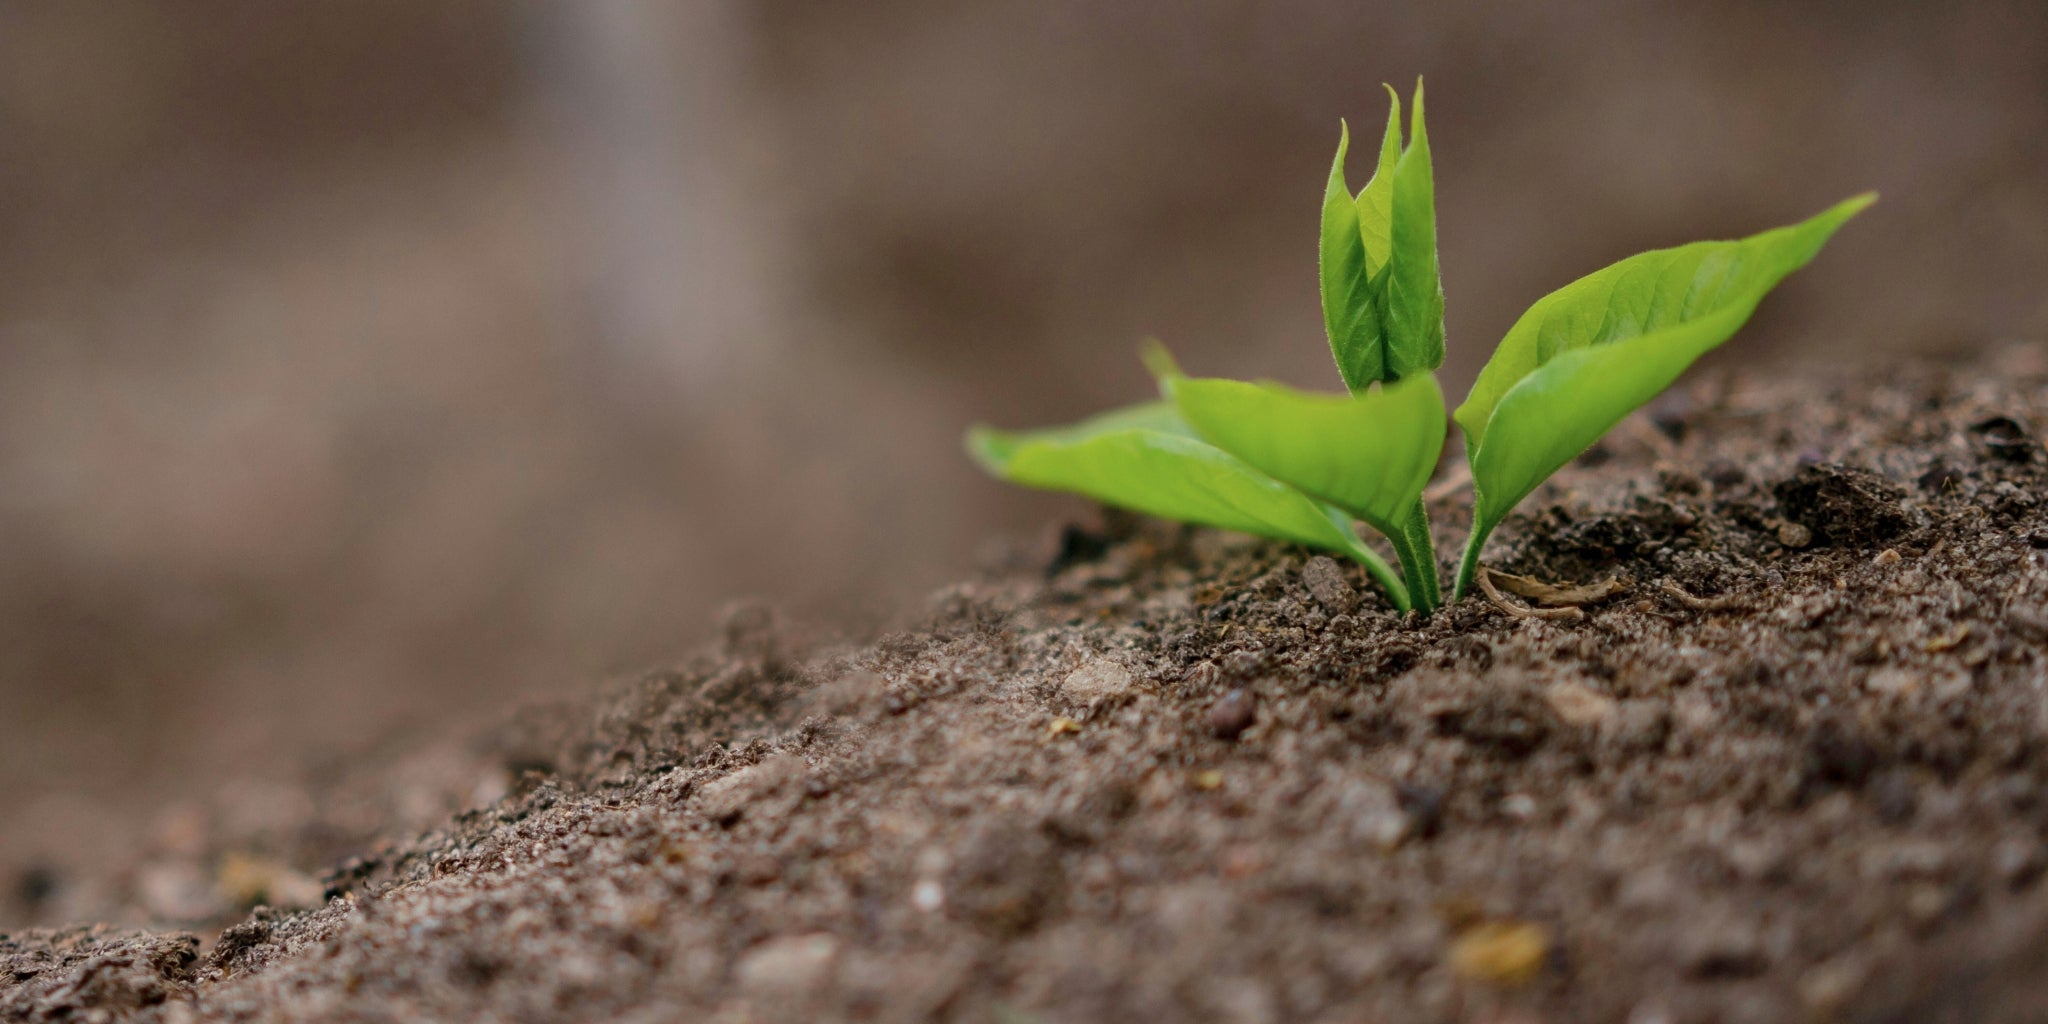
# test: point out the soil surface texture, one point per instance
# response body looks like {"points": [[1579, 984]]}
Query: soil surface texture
{"points": [[1792, 766]]}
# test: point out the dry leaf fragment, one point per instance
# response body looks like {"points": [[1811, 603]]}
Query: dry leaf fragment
{"points": [[1500, 953], [1493, 595], [1551, 595], [1505, 954]]}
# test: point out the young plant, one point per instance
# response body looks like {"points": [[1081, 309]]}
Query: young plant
{"points": [[1297, 466], [1597, 349]]}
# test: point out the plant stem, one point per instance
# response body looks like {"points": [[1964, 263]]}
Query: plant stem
{"points": [[1418, 595], [1422, 575], [1468, 566]]}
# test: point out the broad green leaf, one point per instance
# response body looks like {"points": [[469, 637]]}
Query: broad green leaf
{"points": [[1369, 454], [1413, 318], [1560, 410], [1643, 295], [1588, 354], [1157, 467], [994, 449], [1350, 311]]}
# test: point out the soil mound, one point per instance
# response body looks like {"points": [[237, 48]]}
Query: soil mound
{"points": [[1790, 767]]}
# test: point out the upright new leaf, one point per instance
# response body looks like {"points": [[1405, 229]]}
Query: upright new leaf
{"points": [[1414, 319], [1591, 352], [1376, 200], [1147, 460], [1382, 304], [1350, 312], [1369, 454]]}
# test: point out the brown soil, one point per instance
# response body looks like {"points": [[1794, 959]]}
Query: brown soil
{"points": [[1793, 771]]}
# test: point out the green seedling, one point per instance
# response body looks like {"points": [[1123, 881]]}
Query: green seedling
{"points": [[1269, 460], [1597, 349]]}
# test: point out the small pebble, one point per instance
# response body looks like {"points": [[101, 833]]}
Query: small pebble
{"points": [[1891, 681], [1373, 815], [1425, 806], [1640, 725], [1829, 986], [1232, 714], [1579, 705], [2017, 861], [1892, 797], [1097, 680], [758, 869], [1722, 947], [787, 966], [2030, 622], [1241, 862], [36, 885], [1724, 473]]}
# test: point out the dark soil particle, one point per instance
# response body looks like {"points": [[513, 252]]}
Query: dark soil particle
{"points": [[1232, 714], [1794, 771]]}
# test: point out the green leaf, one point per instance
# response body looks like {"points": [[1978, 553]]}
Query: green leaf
{"points": [[1369, 454], [1588, 354], [1376, 200], [1350, 312], [1383, 306], [1413, 321], [1145, 459], [996, 449]]}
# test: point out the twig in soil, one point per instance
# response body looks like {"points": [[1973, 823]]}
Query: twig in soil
{"points": [[1726, 602], [1551, 595], [1522, 611]]}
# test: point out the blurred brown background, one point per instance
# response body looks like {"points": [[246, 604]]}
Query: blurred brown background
{"points": [[367, 366]]}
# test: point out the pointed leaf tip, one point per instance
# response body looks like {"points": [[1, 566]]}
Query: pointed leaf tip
{"points": [[989, 447], [1413, 299], [1588, 354], [1159, 361]]}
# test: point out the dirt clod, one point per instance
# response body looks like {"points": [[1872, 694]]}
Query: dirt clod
{"points": [[787, 966], [1507, 721], [1844, 506], [1099, 679], [1006, 878], [1325, 582], [2005, 438]]}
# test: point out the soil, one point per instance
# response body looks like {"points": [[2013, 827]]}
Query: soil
{"points": [[1792, 770]]}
